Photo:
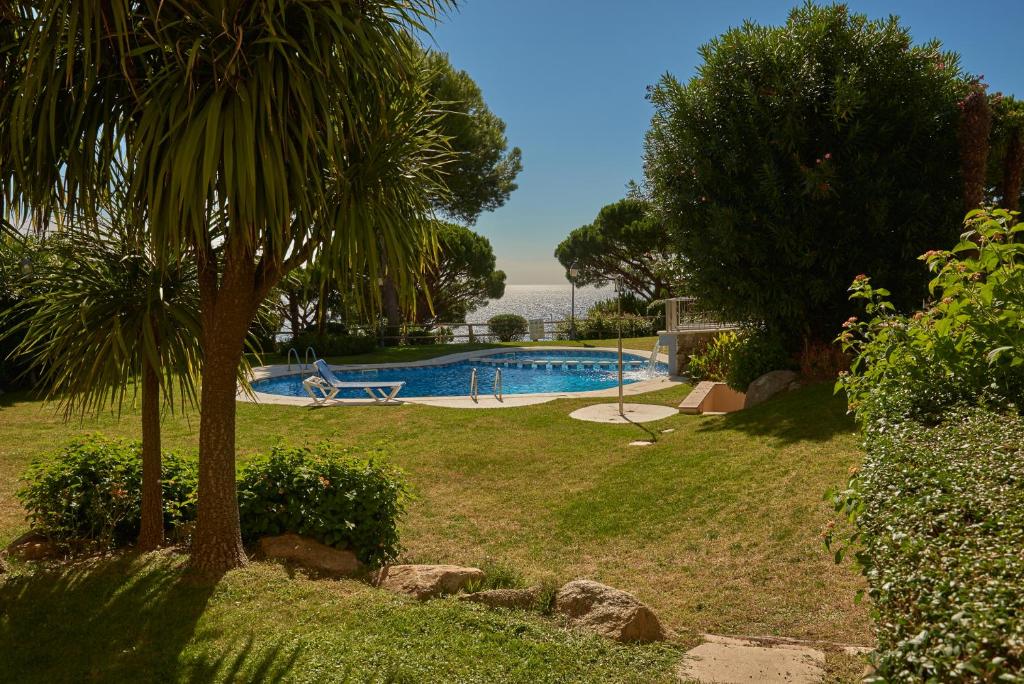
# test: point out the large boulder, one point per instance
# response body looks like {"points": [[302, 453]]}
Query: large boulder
{"points": [[426, 581], [768, 385], [522, 599], [33, 546], [608, 611], [311, 554]]}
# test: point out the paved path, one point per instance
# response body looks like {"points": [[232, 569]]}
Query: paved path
{"points": [[744, 660]]}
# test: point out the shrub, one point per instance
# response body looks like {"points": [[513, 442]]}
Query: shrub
{"points": [[940, 527], [508, 327], [739, 358], [759, 352], [965, 347], [603, 327], [330, 494], [713, 360], [90, 491], [330, 344]]}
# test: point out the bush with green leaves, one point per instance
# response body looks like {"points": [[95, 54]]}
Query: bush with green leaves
{"points": [[802, 154], [713, 360], [340, 498], [759, 352], [508, 327], [604, 327], [965, 347], [330, 344], [739, 358], [939, 528], [89, 492]]}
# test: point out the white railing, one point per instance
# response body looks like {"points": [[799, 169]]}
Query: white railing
{"points": [[298, 362], [497, 385], [309, 352], [474, 392], [686, 313]]}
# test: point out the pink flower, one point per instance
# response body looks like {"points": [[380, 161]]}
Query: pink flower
{"points": [[828, 155]]}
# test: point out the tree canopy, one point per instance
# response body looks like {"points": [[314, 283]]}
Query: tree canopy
{"points": [[462, 278], [627, 241], [255, 136], [482, 175], [802, 155]]}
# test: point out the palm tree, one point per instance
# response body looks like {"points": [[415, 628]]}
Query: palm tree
{"points": [[259, 135], [105, 319]]}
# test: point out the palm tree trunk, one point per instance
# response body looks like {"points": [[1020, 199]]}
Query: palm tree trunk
{"points": [[151, 534], [393, 313], [226, 312]]}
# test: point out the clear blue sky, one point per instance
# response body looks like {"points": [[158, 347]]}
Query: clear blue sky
{"points": [[569, 76]]}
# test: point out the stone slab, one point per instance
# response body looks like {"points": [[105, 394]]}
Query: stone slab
{"points": [[633, 413], [729, 660]]}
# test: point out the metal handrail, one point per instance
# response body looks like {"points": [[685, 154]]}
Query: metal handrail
{"points": [[306, 356], [497, 385], [298, 362], [473, 390]]}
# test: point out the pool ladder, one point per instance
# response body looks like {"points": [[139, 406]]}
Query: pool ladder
{"points": [[310, 352], [474, 391], [497, 386]]}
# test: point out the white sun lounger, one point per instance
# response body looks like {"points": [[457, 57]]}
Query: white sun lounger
{"points": [[327, 385]]}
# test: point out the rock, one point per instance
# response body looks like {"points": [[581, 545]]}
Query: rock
{"points": [[523, 599], [767, 386], [311, 554], [33, 546], [426, 581], [607, 611]]}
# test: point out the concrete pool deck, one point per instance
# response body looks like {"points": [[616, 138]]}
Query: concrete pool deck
{"points": [[464, 402]]}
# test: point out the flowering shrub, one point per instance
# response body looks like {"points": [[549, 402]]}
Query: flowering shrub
{"points": [[965, 346], [937, 505], [329, 494], [939, 532], [90, 491]]}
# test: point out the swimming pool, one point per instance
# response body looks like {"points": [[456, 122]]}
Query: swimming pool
{"points": [[523, 372]]}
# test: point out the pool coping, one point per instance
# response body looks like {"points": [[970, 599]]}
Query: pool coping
{"points": [[490, 401]]}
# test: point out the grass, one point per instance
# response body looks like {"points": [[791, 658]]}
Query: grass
{"points": [[716, 526]]}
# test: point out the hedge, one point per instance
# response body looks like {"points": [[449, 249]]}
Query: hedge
{"points": [[939, 514]]}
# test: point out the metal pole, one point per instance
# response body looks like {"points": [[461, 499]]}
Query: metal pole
{"points": [[618, 306], [572, 325]]}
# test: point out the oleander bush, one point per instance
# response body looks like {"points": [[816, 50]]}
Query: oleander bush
{"points": [[90, 492], [939, 514], [508, 327], [333, 344], [336, 496]]}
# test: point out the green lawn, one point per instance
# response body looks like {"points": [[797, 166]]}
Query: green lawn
{"points": [[717, 526]]}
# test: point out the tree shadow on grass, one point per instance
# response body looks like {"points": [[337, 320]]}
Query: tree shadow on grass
{"points": [[128, 618], [810, 414]]}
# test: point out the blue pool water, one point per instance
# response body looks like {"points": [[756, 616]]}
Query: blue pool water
{"points": [[523, 372]]}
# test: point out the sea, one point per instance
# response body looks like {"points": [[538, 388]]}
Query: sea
{"points": [[547, 302]]}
